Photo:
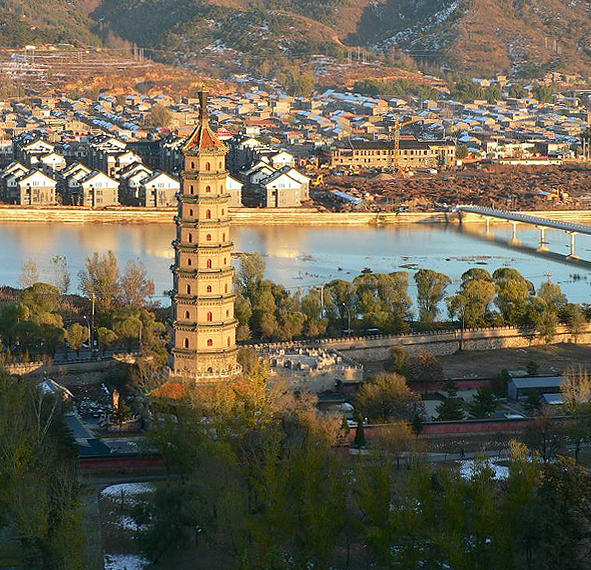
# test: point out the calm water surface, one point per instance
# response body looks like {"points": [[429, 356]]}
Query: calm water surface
{"points": [[305, 255]]}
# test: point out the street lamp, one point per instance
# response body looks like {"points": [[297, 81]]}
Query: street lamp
{"points": [[89, 333]]}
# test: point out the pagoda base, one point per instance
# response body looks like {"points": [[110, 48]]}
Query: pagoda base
{"points": [[178, 386]]}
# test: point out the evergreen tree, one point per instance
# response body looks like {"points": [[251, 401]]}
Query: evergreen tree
{"points": [[360, 433], [452, 408], [483, 404]]}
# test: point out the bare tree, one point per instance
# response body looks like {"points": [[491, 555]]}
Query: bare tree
{"points": [[29, 274], [135, 285], [60, 276], [544, 435]]}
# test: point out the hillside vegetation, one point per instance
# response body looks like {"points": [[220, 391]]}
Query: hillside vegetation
{"points": [[44, 21], [478, 36]]}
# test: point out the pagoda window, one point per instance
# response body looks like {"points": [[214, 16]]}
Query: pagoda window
{"points": [[188, 289], [186, 343], [189, 262], [209, 264], [223, 237], [229, 341], [227, 313], [187, 315], [208, 214], [190, 213], [209, 317], [226, 288], [209, 289], [208, 189], [209, 342], [208, 237], [208, 166], [190, 238]]}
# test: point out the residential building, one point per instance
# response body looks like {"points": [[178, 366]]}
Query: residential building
{"points": [[33, 188], [158, 190], [97, 190], [381, 154]]}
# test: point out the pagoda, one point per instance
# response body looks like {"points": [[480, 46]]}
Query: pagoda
{"points": [[202, 348]]}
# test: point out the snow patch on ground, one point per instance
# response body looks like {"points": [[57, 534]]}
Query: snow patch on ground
{"points": [[129, 523], [127, 489], [125, 562], [468, 466]]}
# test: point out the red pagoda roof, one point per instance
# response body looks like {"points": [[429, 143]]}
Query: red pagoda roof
{"points": [[203, 138]]}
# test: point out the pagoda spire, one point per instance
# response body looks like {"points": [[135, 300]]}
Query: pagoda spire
{"points": [[203, 110], [203, 138]]}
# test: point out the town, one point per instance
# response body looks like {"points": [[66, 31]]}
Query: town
{"points": [[326, 322], [334, 150]]}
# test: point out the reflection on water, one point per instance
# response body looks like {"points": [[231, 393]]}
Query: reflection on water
{"points": [[305, 255]]}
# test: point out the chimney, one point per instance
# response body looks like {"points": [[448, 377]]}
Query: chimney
{"points": [[203, 116]]}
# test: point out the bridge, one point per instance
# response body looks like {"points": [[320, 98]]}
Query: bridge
{"points": [[541, 223]]}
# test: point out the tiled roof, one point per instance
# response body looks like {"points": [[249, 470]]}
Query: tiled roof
{"points": [[203, 138]]}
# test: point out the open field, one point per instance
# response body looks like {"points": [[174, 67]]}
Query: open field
{"points": [[551, 359]]}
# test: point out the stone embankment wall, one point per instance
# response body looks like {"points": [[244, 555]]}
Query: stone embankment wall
{"points": [[253, 216], [72, 373], [440, 343]]}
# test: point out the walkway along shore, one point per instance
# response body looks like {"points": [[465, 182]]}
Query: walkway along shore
{"points": [[256, 217]]}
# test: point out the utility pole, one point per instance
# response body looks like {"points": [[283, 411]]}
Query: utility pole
{"points": [[93, 298]]}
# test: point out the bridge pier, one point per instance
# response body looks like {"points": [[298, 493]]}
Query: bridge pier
{"points": [[543, 242], [573, 255], [514, 239]]}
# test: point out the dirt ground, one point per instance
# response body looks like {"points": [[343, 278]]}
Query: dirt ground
{"points": [[552, 359]]}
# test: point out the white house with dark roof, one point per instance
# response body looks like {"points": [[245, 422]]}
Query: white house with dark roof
{"points": [[159, 190], [8, 178], [234, 188], [280, 190], [34, 188], [130, 179], [98, 190], [51, 162]]}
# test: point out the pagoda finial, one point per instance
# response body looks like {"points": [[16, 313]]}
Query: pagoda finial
{"points": [[203, 114]]}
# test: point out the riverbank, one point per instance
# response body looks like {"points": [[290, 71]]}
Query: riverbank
{"points": [[254, 217]]}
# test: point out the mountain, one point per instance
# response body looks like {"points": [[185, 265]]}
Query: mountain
{"points": [[474, 36], [25, 22], [478, 36]]}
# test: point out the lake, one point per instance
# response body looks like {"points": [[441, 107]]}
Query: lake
{"points": [[301, 256]]}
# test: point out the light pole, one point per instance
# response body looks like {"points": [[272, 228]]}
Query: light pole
{"points": [[89, 333]]}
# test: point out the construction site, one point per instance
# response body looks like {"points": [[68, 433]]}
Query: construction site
{"points": [[556, 187]]}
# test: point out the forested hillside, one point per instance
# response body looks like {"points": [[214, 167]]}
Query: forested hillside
{"points": [[480, 36], [36, 21]]}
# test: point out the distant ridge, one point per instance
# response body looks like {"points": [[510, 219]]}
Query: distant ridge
{"points": [[480, 37]]}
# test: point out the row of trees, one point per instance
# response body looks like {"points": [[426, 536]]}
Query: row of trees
{"points": [[378, 301], [466, 90], [263, 488], [36, 320], [39, 489]]}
